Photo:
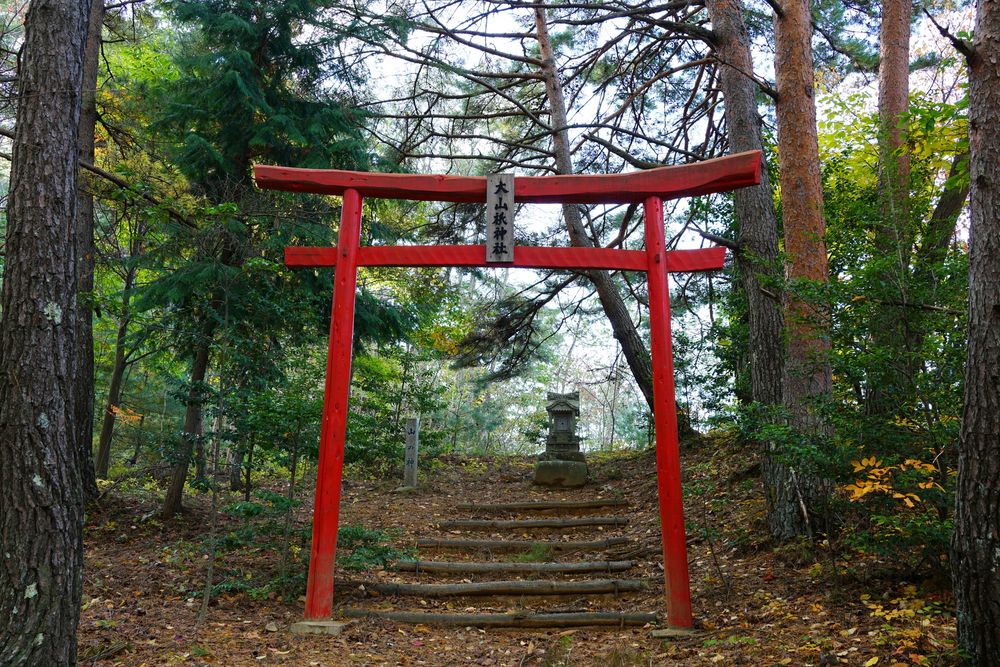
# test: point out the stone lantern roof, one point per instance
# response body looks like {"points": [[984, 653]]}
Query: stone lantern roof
{"points": [[564, 403]]}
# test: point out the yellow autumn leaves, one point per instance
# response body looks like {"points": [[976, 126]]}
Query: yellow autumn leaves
{"points": [[880, 478]]}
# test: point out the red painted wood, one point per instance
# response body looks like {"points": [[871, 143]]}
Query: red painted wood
{"points": [[319, 587], [698, 178], [534, 257], [668, 467], [701, 259]]}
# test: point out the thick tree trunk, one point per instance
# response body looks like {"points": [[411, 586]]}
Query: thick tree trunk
{"points": [[84, 239], [806, 376], [115, 386], [41, 482], [976, 541], [892, 329], [622, 326], [757, 260], [191, 432]]}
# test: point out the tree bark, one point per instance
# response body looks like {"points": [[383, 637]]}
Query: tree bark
{"points": [[84, 239], [806, 377], [894, 232], [757, 261], [41, 481], [893, 105], [622, 326], [976, 541], [191, 432]]}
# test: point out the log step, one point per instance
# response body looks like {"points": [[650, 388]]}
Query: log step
{"points": [[520, 524], [541, 506], [473, 568], [512, 587], [519, 620], [522, 545]]}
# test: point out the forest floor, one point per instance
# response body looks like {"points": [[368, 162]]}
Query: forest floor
{"points": [[755, 603]]}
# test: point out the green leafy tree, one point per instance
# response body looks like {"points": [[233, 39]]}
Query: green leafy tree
{"points": [[256, 82]]}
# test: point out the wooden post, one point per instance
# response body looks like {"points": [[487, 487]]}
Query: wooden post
{"points": [[326, 516], [668, 467], [412, 445]]}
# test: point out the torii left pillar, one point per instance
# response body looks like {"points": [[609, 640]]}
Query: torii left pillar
{"points": [[319, 586]]}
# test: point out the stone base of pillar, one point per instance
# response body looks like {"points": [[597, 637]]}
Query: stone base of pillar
{"points": [[561, 473]]}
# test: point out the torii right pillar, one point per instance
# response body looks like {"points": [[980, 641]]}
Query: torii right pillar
{"points": [[668, 466]]}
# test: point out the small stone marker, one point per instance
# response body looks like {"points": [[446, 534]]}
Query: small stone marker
{"points": [[673, 633], [412, 445], [317, 628], [500, 218]]}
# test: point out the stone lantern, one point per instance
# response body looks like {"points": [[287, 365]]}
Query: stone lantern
{"points": [[562, 463]]}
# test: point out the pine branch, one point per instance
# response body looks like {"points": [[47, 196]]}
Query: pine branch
{"points": [[962, 46], [120, 182]]}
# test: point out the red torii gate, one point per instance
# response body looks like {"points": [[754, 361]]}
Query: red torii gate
{"points": [[649, 187]]}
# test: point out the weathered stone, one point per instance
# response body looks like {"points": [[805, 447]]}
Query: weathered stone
{"points": [[317, 628], [673, 633], [561, 473], [563, 410], [562, 456]]}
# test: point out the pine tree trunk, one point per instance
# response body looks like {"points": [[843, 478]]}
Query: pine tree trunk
{"points": [[191, 432], [893, 105], [806, 376], [976, 540], [757, 260], [892, 328], [41, 481], [614, 307], [84, 239]]}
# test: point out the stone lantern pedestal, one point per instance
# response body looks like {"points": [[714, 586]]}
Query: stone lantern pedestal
{"points": [[562, 464]]}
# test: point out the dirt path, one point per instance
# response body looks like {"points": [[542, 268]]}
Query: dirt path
{"points": [[754, 604]]}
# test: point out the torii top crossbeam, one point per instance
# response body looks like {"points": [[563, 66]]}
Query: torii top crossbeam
{"points": [[647, 187], [689, 180]]}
